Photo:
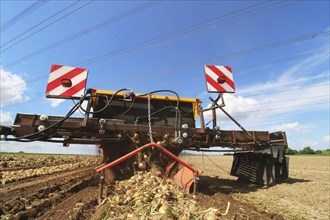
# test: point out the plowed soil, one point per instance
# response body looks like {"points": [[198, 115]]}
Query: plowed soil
{"points": [[72, 192]]}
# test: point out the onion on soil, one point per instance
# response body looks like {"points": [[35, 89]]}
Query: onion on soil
{"points": [[148, 196]]}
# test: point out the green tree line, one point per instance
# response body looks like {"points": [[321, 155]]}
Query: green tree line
{"points": [[307, 150]]}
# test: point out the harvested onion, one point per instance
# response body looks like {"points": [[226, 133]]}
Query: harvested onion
{"points": [[147, 196]]}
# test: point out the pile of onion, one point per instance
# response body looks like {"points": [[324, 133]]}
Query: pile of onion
{"points": [[147, 195]]}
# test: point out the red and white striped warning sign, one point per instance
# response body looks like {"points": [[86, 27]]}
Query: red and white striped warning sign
{"points": [[66, 82], [219, 79]]}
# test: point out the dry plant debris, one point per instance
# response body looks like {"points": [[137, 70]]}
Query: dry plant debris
{"points": [[147, 195]]}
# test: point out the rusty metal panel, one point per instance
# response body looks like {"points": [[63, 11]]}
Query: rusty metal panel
{"points": [[181, 175]]}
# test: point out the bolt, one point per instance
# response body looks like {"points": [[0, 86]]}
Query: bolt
{"points": [[41, 127], [43, 117]]}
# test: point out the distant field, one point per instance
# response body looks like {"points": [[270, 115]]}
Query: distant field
{"points": [[306, 195]]}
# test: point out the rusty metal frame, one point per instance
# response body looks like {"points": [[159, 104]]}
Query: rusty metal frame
{"points": [[74, 131], [100, 169]]}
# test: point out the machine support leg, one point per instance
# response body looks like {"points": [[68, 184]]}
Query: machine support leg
{"points": [[201, 116], [195, 182], [101, 183]]}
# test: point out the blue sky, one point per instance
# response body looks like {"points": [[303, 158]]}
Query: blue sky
{"points": [[278, 51]]}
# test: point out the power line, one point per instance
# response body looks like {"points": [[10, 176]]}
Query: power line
{"points": [[176, 68], [228, 56], [223, 57], [48, 25], [91, 29], [172, 69], [172, 35], [159, 39], [23, 14], [31, 28]]}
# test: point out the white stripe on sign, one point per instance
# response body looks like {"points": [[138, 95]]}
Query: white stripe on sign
{"points": [[213, 75], [58, 90], [227, 87], [210, 87], [59, 72], [75, 80], [225, 71], [80, 93]]}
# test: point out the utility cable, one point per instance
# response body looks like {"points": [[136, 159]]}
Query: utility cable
{"points": [[201, 77], [91, 29], [222, 57], [153, 40], [23, 14], [31, 28], [173, 35], [48, 25], [234, 55]]}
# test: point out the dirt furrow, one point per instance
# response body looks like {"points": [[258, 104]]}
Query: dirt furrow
{"points": [[31, 181], [80, 205], [32, 199]]}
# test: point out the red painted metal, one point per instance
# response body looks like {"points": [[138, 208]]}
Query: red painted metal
{"points": [[182, 176], [127, 156]]}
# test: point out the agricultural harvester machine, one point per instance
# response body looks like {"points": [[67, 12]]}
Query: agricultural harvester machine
{"points": [[141, 131]]}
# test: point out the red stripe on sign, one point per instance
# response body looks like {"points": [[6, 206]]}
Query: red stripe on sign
{"points": [[228, 68], [214, 84], [55, 67], [69, 75], [219, 73], [75, 89]]}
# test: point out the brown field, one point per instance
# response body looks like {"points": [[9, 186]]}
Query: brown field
{"points": [[53, 186], [306, 195]]}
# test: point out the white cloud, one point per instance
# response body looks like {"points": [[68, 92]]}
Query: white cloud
{"points": [[12, 88], [300, 88], [300, 75], [5, 118], [55, 102], [239, 107], [326, 139], [286, 127]]}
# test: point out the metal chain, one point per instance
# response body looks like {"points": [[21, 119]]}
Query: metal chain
{"points": [[149, 119]]}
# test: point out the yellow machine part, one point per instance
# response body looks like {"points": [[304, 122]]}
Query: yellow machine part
{"points": [[195, 102]]}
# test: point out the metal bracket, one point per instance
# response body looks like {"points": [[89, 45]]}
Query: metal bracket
{"points": [[101, 129]]}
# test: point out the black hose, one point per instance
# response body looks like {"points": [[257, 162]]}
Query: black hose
{"points": [[107, 104], [77, 106], [177, 112]]}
